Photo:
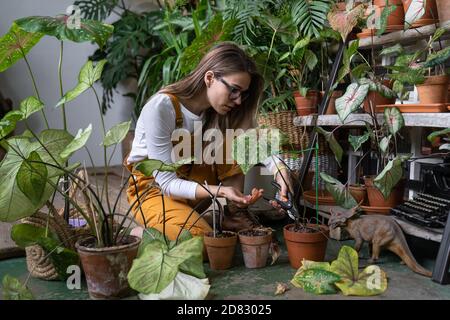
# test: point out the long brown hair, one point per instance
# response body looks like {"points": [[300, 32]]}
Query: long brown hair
{"points": [[223, 59]]}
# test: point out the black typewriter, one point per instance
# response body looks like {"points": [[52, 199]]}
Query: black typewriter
{"points": [[431, 204]]}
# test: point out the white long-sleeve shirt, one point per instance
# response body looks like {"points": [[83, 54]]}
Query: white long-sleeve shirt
{"points": [[152, 140]]}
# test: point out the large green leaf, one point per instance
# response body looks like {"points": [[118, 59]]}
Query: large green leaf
{"points": [[14, 204], [116, 134], [310, 16], [14, 290], [372, 281], [318, 281], [30, 105], [351, 100], [216, 31], [61, 28], [78, 142], [333, 143], [357, 141], [435, 134], [394, 120], [25, 235], [390, 176], [147, 166], [339, 192], [157, 266], [88, 75], [32, 178], [14, 44], [437, 58], [9, 121], [384, 144]]}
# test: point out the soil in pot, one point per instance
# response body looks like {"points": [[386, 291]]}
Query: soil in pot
{"points": [[433, 90], [308, 242], [106, 269], [376, 198], [220, 249], [255, 245]]}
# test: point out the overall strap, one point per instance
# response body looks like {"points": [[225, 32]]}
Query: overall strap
{"points": [[177, 108]]}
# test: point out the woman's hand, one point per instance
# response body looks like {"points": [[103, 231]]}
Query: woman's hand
{"points": [[234, 195]]}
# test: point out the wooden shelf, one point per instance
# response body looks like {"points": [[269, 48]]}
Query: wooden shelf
{"points": [[433, 120], [404, 37], [407, 227]]}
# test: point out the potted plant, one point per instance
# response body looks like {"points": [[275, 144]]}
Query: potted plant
{"points": [[420, 13]]}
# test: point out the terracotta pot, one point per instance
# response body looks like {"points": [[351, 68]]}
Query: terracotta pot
{"points": [[376, 198], [397, 17], [428, 17], [366, 33], [306, 105], [433, 90], [220, 250], [255, 248], [443, 8], [106, 269], [359, 192], [377, 99], [309, 246], [331, 109]]}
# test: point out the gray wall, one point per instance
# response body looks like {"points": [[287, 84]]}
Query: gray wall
{"points": [[15, 83]]}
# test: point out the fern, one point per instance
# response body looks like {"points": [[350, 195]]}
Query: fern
{"points": [[96, 9], [310, 16]]}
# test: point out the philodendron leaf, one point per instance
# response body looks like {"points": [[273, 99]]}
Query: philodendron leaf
{"points": [[148, 166], [88, 75], [77, 143], [396, 49], [307, 265], [390, 176], [30, 105], [351, 100], [339, 192], [384, 144], [393, 119], [157, 266], [25, 235], [436, 134], [14, 204], [318, 281], [414, 12], [14, 290], [344, 21], [358, 141], [149, 235], [8, 122], [372, 281], [63, 28], [116, 134], [333, 143], [32, 177], [14, 44], [437, 58]]}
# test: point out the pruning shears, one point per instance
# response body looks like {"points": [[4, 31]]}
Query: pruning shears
{"points": [[286, 205]]}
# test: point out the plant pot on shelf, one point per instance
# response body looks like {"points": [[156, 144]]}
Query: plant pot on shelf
{"points": [[429, 17], [359, 192], [433, 90], [255, 247], [306, 105], [331, 109], [376, 198], [377, 99], [304, 245], [396, 19], [220, 249], [106, 268], [443, 8]]}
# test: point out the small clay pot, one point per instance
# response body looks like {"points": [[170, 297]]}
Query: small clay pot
{"points": [[106, 268], [443, 8], [433, 90], [302, 245], [255, 247], [429, 17], [377, 99], [359, 192], [397, 17], [376, 198], [220, 250]]}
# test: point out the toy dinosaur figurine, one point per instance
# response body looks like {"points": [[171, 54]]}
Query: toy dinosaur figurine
{"points": [[380, 231]]}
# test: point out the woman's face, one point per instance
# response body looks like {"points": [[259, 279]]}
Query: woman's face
{"points": [[225, 93]]}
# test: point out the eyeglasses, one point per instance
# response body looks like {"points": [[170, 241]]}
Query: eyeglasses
{"points": [[234, 92]]}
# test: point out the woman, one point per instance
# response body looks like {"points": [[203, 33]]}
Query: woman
{"points": [[221, 93]]}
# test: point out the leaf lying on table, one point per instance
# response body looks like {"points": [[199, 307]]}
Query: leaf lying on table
{"points": [[14, 290], [315, 277]]}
